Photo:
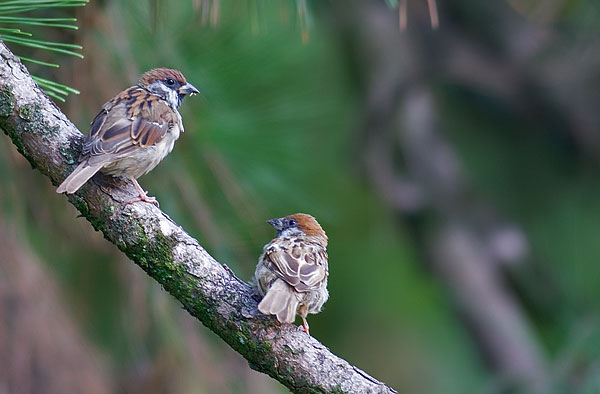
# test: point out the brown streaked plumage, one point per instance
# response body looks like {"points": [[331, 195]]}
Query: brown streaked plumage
{"points": [[291, 274], [133, 131]]}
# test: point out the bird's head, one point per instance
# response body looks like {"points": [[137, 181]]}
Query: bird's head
{"points": [[168, 84], [299, 225]]}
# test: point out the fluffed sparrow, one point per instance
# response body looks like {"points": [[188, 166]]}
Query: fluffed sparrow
{"points": [[133, 131], [291, 274]]}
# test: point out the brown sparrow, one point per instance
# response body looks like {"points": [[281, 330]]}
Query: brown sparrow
{"points": [[133, 131], [291, 274]]}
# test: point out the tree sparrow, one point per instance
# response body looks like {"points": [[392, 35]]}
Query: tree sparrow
{"points": [[133, 131], [291, 274]]}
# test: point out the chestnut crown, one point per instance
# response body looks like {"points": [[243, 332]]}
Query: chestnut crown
{"points": [[162, 74], [298, 224]]}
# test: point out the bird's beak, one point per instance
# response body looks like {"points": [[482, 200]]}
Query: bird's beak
{"points": [[276, 223], [188, 88]]}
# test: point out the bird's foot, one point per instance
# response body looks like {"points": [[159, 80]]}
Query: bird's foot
{"points": [[143, 195], [304, 326], [145, 198]]}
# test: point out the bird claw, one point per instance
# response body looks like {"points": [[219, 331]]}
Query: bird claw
{"points": [[143, 195], [147, 199], [304, 326]]}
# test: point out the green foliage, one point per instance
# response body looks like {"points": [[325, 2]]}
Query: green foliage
{"points": [[15, 35], [273, 134], [278, 130]]}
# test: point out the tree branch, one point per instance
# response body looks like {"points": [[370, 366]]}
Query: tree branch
{"points": [[214, 295]]}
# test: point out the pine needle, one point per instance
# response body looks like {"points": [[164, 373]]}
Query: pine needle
{"points": [[17, 36]]}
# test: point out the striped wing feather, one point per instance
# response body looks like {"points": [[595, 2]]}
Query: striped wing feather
{"points": [[134, 118], [302, 268]]}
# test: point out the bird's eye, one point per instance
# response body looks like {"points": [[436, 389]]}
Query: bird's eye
{"points": [[170, 81], [292, 222]]}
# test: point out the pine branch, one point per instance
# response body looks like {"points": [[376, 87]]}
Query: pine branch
{"points": [[208, 291]]}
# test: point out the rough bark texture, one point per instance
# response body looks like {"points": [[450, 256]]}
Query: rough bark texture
{"points": [[222, 302]]}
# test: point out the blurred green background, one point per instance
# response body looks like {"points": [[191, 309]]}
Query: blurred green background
{"points": [[455, 170]]}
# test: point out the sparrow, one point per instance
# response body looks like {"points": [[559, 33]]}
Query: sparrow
{"points": [[291, 274], [133, 131]]}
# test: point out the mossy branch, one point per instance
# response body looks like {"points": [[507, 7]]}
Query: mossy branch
{"points": [[208, 291]]}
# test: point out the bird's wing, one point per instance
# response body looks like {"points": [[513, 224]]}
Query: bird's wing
{"points": [[302, 266], [134, 118]]}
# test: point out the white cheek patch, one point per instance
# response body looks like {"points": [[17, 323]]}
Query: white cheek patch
{"points": [[291, 232], [159, 88], [173, 98], [166, 93]]}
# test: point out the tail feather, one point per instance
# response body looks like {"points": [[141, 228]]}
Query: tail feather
{"points": [[78, 178], [281, 301]]}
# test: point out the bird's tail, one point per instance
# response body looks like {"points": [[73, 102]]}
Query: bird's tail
{"points": [[281, 301], [78, 178]]}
